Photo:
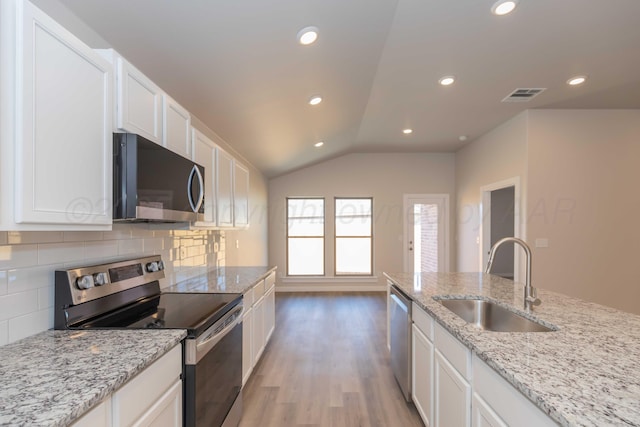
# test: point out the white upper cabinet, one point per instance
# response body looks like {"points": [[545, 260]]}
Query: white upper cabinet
{"points": [[240, 195], [138, 102], [225, 189], [204, 153], [176, 121], [56, 140]]}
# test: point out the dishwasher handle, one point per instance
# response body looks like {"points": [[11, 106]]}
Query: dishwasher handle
{"points": [[401, 300]]}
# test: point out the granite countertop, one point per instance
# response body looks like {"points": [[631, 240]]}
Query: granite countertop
{"points": [[224, 280], [587, 373], [54, 377]]}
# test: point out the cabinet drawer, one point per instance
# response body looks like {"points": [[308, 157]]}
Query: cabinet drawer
{"points": [[269, 281], [422, 320], [456, 353], [142, 392], [258, 290]]}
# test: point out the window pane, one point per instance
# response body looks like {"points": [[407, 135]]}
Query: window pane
{"points": [[353, 207], [305, 208], [306, 256], [306, 227], [353, 226], [353, 255]]}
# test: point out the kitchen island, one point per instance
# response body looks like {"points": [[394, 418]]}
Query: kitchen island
{"points": [[54, 377], [585, 373]]}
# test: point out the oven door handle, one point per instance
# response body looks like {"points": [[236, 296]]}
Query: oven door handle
{"points": [[215, 333]]}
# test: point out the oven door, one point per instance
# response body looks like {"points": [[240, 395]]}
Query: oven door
{"points": [[213, 369]]}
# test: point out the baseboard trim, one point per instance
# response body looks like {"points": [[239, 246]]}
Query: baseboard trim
{"points": [[352, 287]]}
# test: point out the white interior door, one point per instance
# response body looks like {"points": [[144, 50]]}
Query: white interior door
{"points": [[426, 237]]}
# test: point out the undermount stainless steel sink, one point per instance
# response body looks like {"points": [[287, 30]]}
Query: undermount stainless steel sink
{"points": [[491, 316]]}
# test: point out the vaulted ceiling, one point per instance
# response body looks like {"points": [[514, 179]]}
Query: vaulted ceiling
{"points": [[237, 65]]}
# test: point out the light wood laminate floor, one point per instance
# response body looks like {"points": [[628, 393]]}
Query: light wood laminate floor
{"points": [[327, 364]]}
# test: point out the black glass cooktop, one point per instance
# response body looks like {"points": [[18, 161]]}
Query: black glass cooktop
{"points": [[193, 312]]}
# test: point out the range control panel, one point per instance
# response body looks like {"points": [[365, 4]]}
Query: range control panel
{"points": [[89, 283]]}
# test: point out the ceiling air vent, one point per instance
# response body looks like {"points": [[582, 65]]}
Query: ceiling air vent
{"points": [[523, 94]]}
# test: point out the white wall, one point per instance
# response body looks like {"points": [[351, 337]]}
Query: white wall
{"points": [[497, 156], [584, 170], [385, 177]]}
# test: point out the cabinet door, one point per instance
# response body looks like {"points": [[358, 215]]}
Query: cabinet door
{"points": [[139, 397], [257, 343], [482, 415], [176, 124], [166, 411], [269, 313], [139, 103], [247, 337], [422, 378], [240, 195], [225, 189], [204, 153], [64, 139], [100, 416], [452, 395]]}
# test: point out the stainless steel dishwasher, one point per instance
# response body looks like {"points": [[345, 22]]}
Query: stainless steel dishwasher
{"points": [[400, 339]]}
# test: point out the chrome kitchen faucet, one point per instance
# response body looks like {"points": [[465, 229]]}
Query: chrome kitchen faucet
{"points": [[529, 292]]}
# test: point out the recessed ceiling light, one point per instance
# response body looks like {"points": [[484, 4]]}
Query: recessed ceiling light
{"points": [[577, 80], [462, 137], [447, 80], [307, 35], [318, 144], [503, 7], [315, 100], [407, 131]]}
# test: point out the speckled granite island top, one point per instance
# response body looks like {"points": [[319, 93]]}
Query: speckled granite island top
{"points": [[53, 378], [224, 280], [587, 373]]}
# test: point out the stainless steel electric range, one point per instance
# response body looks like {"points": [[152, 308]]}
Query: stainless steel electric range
{"points": [[127, 294]]}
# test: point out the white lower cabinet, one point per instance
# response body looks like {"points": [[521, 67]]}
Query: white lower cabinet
{"points": [[257, 334], [422, 375], [269, 312], [247, 337], [259, 323], [153, 398], [150, 399], [507, 405], [452, 395], [482, 415], [100, 416], [451, 387]]}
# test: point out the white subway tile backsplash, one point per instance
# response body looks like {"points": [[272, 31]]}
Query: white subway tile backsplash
{"points": [[27, 279], [13, 305], [15, 256], [28, 261], [29, 324], [46, 297], [153, 245], [100, 250], [83, 236], [32, 237], [133, 246], [4, 332], [3, 283], [119, 231], [55, 253]]}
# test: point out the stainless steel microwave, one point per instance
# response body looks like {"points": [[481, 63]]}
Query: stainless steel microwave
{"points": [[152, 183]]}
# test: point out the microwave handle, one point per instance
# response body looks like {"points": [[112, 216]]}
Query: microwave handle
{"points": [[195, 171]]}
